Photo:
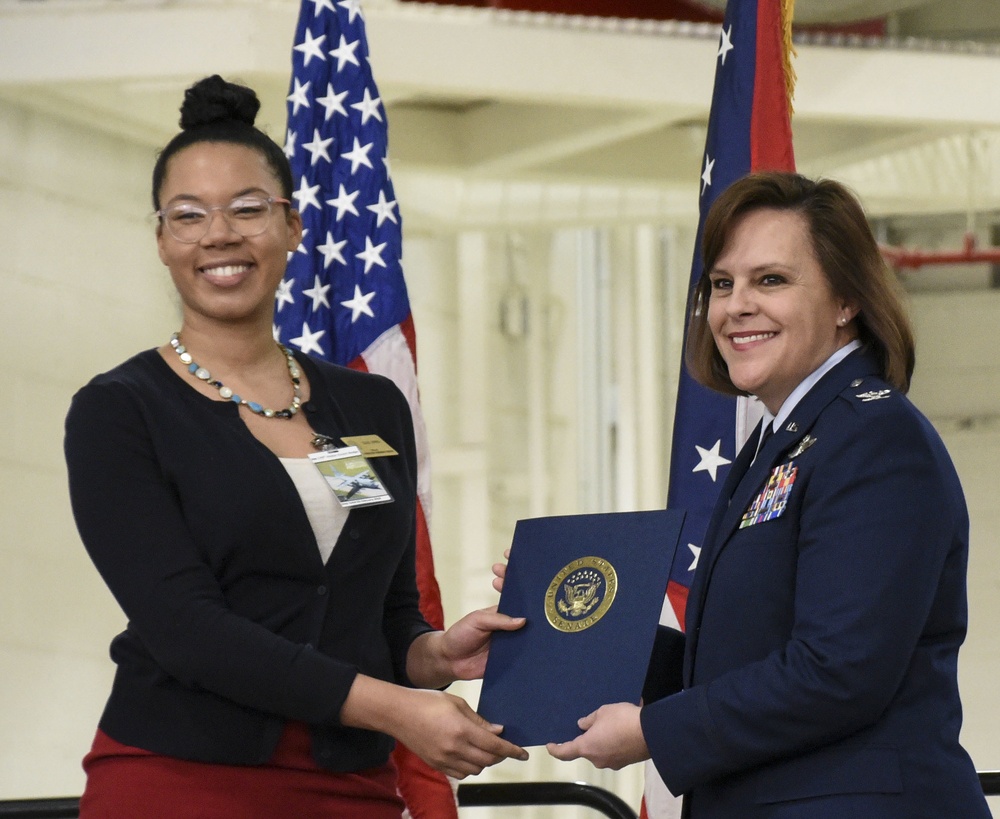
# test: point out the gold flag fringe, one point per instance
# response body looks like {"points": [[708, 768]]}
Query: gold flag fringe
{"points": [[788, 51]]}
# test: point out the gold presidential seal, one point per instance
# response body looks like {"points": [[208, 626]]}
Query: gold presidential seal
{"points": [[581, 594]]}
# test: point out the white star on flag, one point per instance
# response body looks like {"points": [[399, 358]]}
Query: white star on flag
{"points": [[308, 342], [368, 107], [345, 53], [331, 250], [318, 294], [318, 147], [283, 295], [359, 304], [725, 43], [306, 196], [344, 201], [290, 139], [353, 9], [322, 4], [372, 254], [298, 97], [358, 155], [696, 551], [383, 209], [706, 176], [333, 102], [311, 47], [711, 460]]}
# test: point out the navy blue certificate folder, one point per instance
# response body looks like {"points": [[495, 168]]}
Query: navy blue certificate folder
{"points": [[591, 588]]}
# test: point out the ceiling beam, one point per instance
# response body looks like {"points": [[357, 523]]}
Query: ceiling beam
{"points": [[500, 140], [461, 52]]}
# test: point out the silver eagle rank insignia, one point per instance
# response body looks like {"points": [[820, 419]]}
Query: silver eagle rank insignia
{"points": [[873, 395]]}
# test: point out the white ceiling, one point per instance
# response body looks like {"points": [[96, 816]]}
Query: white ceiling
{"points": [[494, 97]]}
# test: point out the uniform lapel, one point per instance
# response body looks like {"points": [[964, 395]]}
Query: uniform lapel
{"points": [[736, 473], [745, 479], [733, 480]]}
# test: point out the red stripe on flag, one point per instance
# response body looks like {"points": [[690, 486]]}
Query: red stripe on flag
{"points": [[677, 594], [770, 122], [430, 591], [427, 793], [407, 328]]}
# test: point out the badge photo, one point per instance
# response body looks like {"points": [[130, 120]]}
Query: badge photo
{"points": [[351, 477]]}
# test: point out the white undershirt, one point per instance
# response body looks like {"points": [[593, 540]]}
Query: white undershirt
{"points": [[326, 515]]}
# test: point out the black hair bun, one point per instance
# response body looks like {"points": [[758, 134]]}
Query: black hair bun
{"points": [[215, 100]]}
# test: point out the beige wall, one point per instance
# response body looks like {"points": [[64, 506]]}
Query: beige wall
{"points": [[83, 289]]}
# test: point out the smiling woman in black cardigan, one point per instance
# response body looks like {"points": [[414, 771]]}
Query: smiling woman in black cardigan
{"points": [[274, 647]]}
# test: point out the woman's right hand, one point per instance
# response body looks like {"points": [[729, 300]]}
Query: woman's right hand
{"points": [[440, 728], [448, 735], [500, 570]]}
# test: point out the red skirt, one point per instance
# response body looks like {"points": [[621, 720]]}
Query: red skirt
{"points": [[125, 783]]}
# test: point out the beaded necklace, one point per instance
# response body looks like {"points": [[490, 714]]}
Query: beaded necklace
{"points": [[200, 372]]}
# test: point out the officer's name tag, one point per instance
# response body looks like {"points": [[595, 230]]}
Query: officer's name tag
{"points": [[350, 476], [371, 446]]}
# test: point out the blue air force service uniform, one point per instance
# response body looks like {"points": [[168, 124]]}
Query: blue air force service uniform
{"points": [[824, 621]]}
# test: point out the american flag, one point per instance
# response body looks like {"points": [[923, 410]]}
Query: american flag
{"points": [[343, 297], [749, 129]]}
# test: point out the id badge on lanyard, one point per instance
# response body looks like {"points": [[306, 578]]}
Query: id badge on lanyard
{"points": [[351, 477]]}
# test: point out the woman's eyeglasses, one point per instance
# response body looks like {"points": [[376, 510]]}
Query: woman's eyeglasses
{"points": [[247, 215]]}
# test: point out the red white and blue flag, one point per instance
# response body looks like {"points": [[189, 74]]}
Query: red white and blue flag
{"points": [[343, 297], [749, 129]]}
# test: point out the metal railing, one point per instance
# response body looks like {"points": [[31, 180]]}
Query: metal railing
{"points": [[543, 793], [66, 808], [471, 795]]}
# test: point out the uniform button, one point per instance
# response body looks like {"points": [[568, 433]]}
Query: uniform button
{"points": [[321, 590], [355, 534]]}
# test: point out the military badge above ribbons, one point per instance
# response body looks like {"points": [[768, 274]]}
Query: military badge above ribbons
{"points": [[591, 588]]}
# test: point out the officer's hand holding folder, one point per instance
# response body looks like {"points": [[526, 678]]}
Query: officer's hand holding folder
{"points": [[591, 588]]}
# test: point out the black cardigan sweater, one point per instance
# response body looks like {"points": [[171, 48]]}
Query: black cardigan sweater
{"points": [[235, 625]]}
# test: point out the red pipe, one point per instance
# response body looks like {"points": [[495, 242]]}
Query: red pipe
{"points": [[900, 257]]}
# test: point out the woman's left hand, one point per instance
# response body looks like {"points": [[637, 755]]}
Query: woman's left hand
{"points": [[612, 738], [466, 644], [438, 658]]}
